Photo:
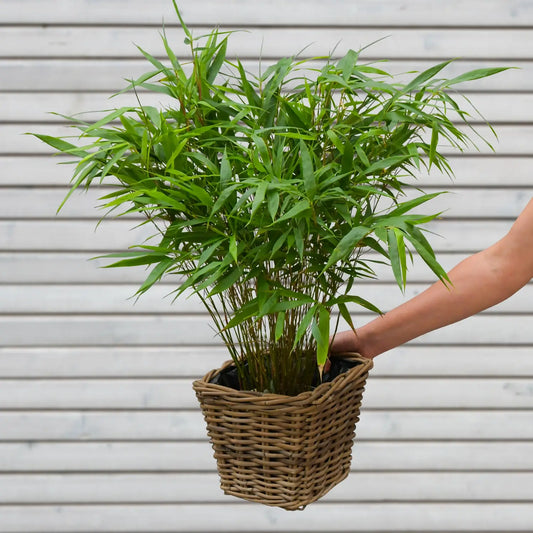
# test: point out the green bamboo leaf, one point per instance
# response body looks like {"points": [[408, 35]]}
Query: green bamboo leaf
{"points": [[61, 145], [308, 172], [397, 256], [259, 197], [298, 209], [360, 152], [428, 258], [273, 204], [334, 138], [208, 252], [233, 250], [349, 298], [134, 259], [217, 62], [404, 207], [474, 75], [225, 171], [346, 315], [347, 64], [222, 199], [109, 118], [425, 76], [347, 244], [299, 242], [227, 281], [247, 311], [434, 142], [304, 325], [280, 323], [156, 274], [280, 241], [320, 332]]}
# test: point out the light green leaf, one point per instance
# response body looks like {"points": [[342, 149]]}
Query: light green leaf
{"points": [[273, 204], [426, 76], [233, 247], [308, 172], [280, 323], [346, 315], [259, 197], [347, 244], [156, 274], [320, 332], [298, 209]]}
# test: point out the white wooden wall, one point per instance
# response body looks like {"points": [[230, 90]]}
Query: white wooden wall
{"points": [[99, 429]]}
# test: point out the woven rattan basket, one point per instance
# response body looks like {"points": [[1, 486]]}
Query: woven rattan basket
{"points": [[285, 451]]}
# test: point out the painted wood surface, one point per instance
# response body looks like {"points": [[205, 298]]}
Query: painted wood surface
{"points": [[390, 13], [99, 427], [226, 517]]}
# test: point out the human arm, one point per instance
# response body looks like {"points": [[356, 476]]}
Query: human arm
{"points": [[477, 283]]}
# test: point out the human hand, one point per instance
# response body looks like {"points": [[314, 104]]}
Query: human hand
{"points": [[344, 341]]}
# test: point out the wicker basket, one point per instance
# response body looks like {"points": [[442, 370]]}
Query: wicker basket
{"points": [[285, 451]]}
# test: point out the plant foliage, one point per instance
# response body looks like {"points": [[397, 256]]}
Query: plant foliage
{"points": [[272, 194]]}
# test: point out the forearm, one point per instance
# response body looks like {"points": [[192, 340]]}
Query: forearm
{"points": [[479, 282]]}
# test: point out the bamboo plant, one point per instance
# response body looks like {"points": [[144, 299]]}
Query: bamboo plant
{"points": [[271, 196]]}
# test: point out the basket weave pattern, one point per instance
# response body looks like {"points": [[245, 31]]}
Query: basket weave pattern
{"points": [[285, 451]]}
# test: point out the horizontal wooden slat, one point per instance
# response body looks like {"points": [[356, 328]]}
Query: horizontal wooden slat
{"points": [[434, 425], [172, 393], [108, 75], [106, 330], [45, 106], [204, 488], [297, 12], [81, 299], [198, 456], [175, 330], [390, 517], [119, 235], [462, 203], [512, 140], [64, 268], [52, 41], [142, 361], [493, 171], [70, 235]]}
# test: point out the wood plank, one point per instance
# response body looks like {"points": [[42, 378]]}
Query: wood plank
{"points": [[176, 330], [109, 74], [186, 361], [427, 425], [391, 517], [107, 457], [493, 171], [204, 488], [176, 393], [297, 12], [89, 299], [455, 236], [103, 330], [70, 235], [269, 42], [24, 203], [27, 107], [64, 268], [512, 139]]}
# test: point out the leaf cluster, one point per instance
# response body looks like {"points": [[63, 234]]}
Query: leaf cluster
{"points": [[271, 195]]}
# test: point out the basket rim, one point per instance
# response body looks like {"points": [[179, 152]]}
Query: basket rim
{"points": [[320, 392]]}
